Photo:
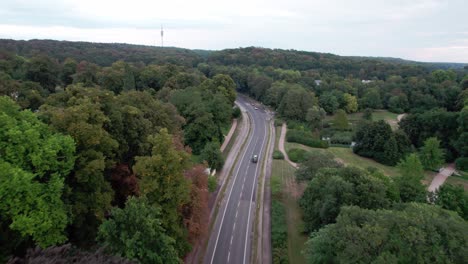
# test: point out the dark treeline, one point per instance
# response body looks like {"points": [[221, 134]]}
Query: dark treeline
{"points": [[96, 139]]}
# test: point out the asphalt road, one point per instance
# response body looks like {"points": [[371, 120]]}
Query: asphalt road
{"points": [[231, 236]]}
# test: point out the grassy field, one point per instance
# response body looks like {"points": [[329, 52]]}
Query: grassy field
{"points": [[459, 180], [282, 179], [349, 158], [285, 190], [377, 115]]}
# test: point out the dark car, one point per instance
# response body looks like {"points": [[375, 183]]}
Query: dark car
{"points": [[254, 158]]}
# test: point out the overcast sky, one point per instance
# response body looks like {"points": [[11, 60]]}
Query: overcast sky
{"points": [[423, 30]]}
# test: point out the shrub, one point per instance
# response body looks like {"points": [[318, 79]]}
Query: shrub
{"points": [[305, 138], [236, 112], [278, 155], [342, 138], [278, 122], [212, 183], [462, 163], [279, 234], [297, 155]]}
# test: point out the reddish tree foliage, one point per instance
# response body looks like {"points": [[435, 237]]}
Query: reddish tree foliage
{"points": [[67, 254], [124, 182], [196, 213]]}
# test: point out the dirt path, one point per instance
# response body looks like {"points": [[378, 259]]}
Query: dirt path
{"points": [[281, 146], [440, 178], [227, 139], [400, 117]]}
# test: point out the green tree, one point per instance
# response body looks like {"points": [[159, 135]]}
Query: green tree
{"points": [[371, 99], [341, 120], [391, 236], [314, 162], [33, 164], [212, 155], [453, 198], [315, 116], [409, 181], [44, 70], [367, 115], [129, 79], [80, 112], [431, 155], [162, 181], [351, 103], [296, 102], [136, 232], [329, 102], [330, 189]]}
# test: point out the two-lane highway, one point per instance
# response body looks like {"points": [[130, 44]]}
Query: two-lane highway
{"points": [[230, 238]]}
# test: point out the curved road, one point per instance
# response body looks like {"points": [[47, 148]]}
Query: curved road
{"points": [[231, 236]]}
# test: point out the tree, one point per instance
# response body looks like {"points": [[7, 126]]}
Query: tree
{"points": [[33, 164], [196, 212], [79, 112], [314, 162], [371, 99], [315, 116], [212, 155], [391, 236], [351, 103], [329, 102], [129, 79], [136, 232], [409, 181], [43, 70], [452, 198], [296, 102], [377, 140], [341, 120], [162, 181], [68, 254], [367, 115], [330, 189], [432, 157]]}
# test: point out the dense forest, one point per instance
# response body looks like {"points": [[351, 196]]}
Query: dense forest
{"points": [[106, 146]]}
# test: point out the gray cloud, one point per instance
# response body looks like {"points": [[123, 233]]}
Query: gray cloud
{"points": [[418, 29]]}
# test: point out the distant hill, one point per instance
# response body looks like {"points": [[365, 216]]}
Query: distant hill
{"points": [[105, 54], [430, 65]]}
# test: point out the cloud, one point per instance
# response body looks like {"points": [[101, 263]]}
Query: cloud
{"points": [[397, 28]]}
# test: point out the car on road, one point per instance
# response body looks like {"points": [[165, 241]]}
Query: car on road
{"points": [[254, 158], [256, 108]]}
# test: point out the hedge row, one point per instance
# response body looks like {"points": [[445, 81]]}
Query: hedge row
{"points": [[305, 138]]}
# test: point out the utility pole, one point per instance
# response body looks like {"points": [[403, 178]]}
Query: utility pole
{"points": [[162, 37]]}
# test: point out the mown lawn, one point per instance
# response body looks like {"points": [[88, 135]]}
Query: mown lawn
{"points": [[349, 158]]}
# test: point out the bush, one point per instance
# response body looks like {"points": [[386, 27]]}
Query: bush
{"points": [[462, 163], [305, 138], [279, 234], [297, 155], [278, 122], [275, 185], [236, 112], [212, 183], [342, 138], [278, 155]]}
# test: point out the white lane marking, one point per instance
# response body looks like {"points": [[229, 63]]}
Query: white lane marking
{"points": [[232, 236], [230, 192], [250, 206], [229, 255], [237, 213]]}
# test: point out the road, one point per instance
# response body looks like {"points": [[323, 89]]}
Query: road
{"points": [[231, 237]]}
